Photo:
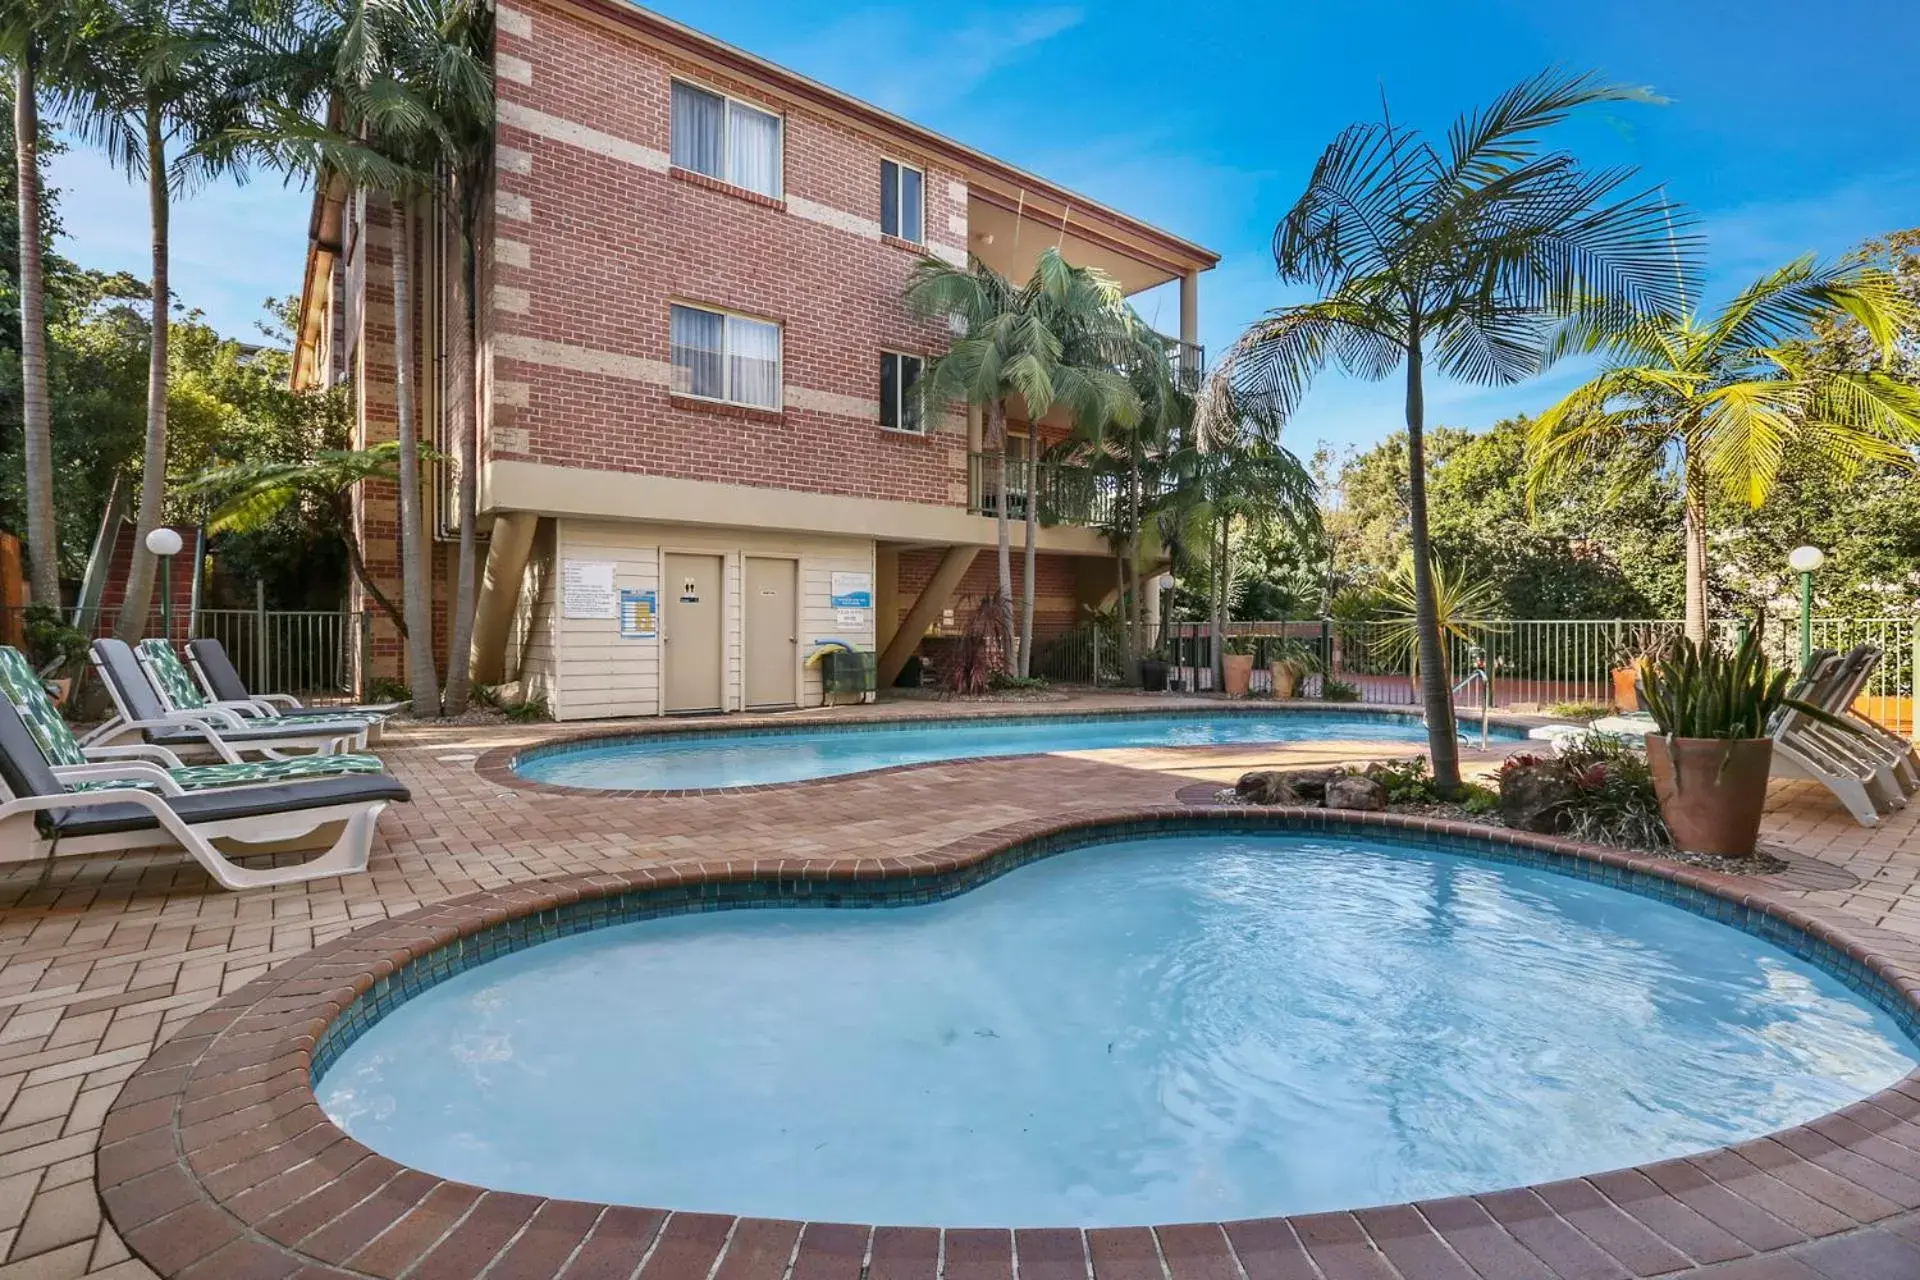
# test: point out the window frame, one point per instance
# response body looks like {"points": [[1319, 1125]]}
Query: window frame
{"points": [[900, 167], [900, 397], [726, 369], [728, 102]]}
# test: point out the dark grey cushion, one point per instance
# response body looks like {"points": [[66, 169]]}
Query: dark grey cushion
{"points": [[117, 663], [211, 657], [241, 802]]}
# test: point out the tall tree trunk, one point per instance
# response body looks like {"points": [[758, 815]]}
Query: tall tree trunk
{"points": [[343, 522], [1435, 696], [1694, 524], [1132, 601], [466, 431], [1218, 602], [422, 678], [153, 465], [1028, 589], [997, 429], [43, 540]]}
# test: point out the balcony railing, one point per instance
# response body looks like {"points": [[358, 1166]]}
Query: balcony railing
{"points": [[1067, 492], [1189, 361]]}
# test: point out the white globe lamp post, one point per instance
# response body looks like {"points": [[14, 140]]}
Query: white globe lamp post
{"points": [[165, 543]]}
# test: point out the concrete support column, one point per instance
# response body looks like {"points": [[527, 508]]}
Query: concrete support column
{"points": [[886, 594], [946, 578], [506, 568], [1190, 308], [1151, 589]]}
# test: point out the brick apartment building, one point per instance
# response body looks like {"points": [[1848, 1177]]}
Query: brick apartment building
{"points": [[698, 458]]}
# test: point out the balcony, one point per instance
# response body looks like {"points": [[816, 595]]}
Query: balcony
{"points": [[1068, 493], [1189, 361]]}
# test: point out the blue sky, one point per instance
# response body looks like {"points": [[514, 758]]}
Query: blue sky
{"points": [[1791, 128]]}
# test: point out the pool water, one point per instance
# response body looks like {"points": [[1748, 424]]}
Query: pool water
{"points": [[741, 758], [1157, 1030]]}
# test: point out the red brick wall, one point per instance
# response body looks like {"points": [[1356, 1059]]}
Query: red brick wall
{"points": [[610, 243], [1056, 607]]}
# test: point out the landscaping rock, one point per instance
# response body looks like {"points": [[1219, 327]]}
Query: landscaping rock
{"points": [[1356, 792], [1535, 800], [1284, 786]]}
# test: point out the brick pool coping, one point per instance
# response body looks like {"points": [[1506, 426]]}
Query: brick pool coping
{"points": [[497, 765], [216, 1159]]}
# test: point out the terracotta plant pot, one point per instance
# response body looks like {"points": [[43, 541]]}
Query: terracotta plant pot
{"points": [[1239, 673], [1284, 679], [1711, 791], [1626, 695]]}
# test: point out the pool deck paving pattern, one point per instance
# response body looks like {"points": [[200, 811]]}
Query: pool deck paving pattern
{"points": [[215, 1161]]}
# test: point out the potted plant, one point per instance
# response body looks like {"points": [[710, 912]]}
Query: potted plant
{"points": [[1289, 660], [1712, 753], [1631, 656], [1237, 666], [1153, 671]]}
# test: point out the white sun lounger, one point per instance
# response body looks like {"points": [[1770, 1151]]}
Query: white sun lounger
{"points": [[140, 713], [41, 818]]}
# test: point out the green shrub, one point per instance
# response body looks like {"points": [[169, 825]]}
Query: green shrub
{"points": [[534, 708], [1477, 799], [1578, 710], [383, 689], [1002, 682], [1336, 690], [51, 643], [1406, 781]]}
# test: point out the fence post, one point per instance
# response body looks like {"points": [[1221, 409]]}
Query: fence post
{"points": [[1095, 628], [259, 637], [366, 656], [1913, 687]]}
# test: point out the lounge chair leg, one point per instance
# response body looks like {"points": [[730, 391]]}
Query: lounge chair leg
{"points": [[346, 856]]}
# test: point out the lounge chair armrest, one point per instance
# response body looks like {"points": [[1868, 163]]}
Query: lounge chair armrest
{"points": [[152, 802], [137, 751], [131, 770], [205, 728]]}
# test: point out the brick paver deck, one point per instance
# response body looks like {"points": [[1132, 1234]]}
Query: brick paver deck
{"points": [[102, 960]]}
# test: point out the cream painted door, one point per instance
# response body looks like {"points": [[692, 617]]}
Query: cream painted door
{"points": [[772, 643], [691, 629]]}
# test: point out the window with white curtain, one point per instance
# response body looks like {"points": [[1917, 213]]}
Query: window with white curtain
{"points": [[903, 201], [720, 356], [726, 139], [900, 391]]}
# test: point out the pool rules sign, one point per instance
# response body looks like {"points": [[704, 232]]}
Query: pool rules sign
{"points": [[586, 589], [852, 600]]}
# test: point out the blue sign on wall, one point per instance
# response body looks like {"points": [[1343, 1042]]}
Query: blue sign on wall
{"points": [[853, 591]]}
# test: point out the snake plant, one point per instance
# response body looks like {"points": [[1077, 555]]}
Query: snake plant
{"points": [[1700, 691]]}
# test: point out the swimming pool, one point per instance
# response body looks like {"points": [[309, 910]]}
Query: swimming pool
{"points": [[704, 759], [1200, 1025]]}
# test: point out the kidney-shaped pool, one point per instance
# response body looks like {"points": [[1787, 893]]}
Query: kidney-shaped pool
{"points": [[728, 757], [1176, 1027]]}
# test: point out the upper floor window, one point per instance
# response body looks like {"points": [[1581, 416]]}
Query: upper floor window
{"points": [[721, 356], [903, 202], [726, 139], [900, 400]]}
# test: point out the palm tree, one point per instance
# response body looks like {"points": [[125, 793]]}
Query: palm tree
{"points": [[29, 33], [1131, 463], [1462, 255], [141, 83], [1043, 342], [1223, 489], [383, 134], [250, 494], [452, 70], [1718, 402]]}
